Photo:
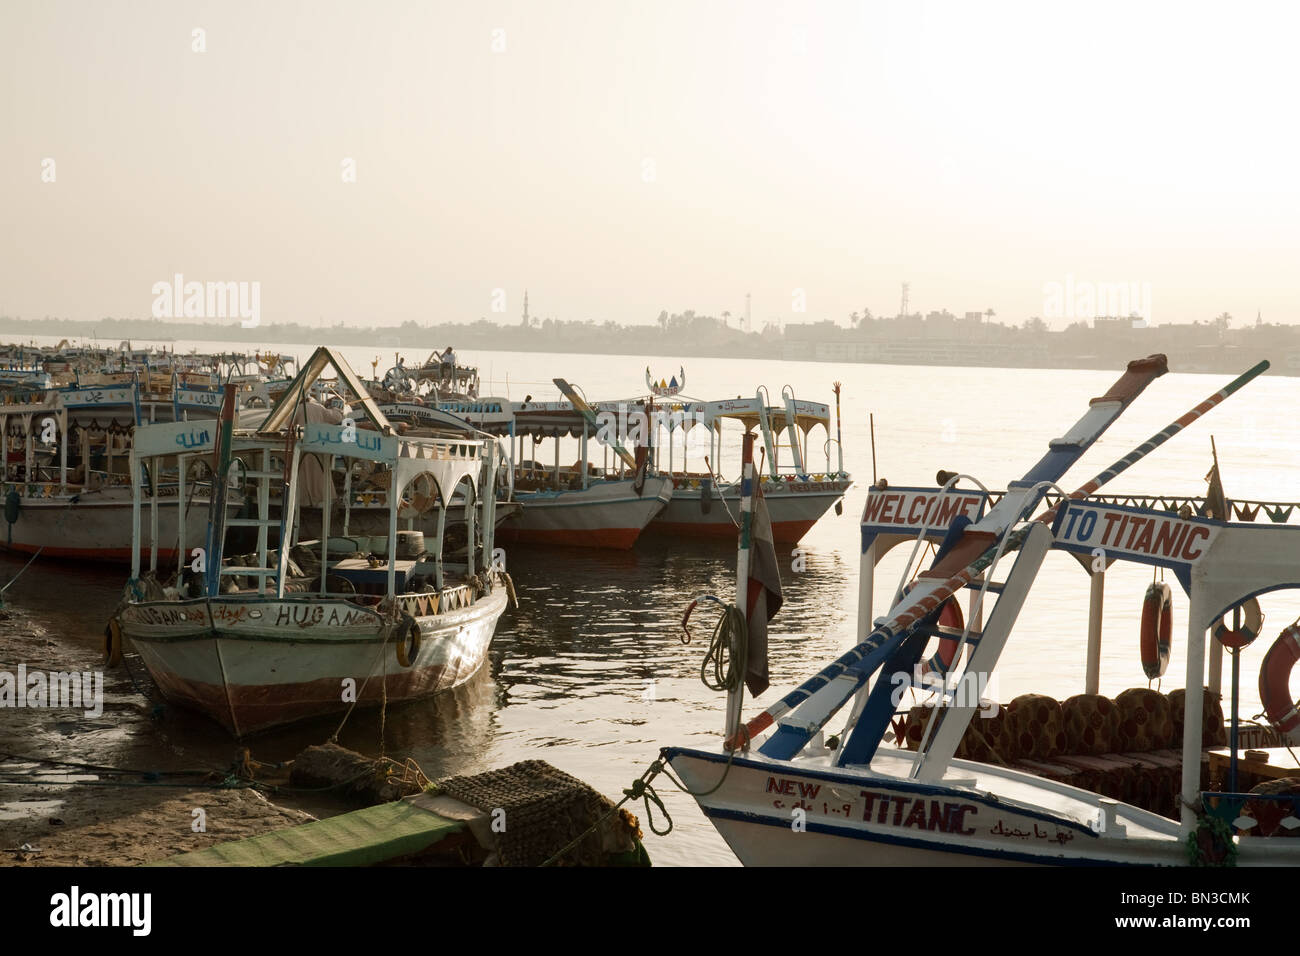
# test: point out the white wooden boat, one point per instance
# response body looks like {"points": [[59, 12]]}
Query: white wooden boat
{"points": [[262, 644], [782, 790], [64, 476], [584, 504], [799, 485]]}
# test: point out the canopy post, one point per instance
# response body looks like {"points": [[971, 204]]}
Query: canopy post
{"points": [[1096, 602], [866, 590], [63, 451], [326, 507], [182, 462], [135, 517], [1193, 710], [1215, 679], [583, 456], [154, 467]]}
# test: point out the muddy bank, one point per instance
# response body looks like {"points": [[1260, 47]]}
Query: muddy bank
{"points": [[132, 776]]}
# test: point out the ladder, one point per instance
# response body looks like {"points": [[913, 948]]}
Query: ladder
{"points": [[262, 476], [787, 393]]}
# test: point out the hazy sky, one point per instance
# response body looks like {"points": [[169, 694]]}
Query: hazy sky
{"points": [[618, 158]]}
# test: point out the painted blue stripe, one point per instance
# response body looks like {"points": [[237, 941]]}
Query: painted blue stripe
{"points": [[893, 783], [868, 837]]}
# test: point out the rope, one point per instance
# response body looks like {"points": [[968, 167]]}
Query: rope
{"points": [[334, 737], [727, 649], [640, 789]]}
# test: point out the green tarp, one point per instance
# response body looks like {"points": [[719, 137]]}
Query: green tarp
{"points": [[360, 838]]}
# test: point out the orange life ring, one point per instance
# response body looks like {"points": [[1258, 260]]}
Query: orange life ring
{"points": [[950, 616], [1243, 636], [1274, 681], [1157, 629]]}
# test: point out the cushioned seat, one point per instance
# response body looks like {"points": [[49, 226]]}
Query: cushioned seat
{"points": [[1213, 732], [1145, 721], [1037, 726], [1091, 724]]}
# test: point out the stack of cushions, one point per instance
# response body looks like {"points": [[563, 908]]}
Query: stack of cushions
{"points": [[986, 740], [1037, 725], [1213, 732], [1128, 748], [1091, 724], [1145, 721]]}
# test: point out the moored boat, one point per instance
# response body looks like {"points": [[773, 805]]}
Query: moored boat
{"points": [[782, 789], [706, 502], [64, 475], [316, 627]]}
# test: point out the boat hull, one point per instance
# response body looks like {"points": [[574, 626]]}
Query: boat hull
{"points": [[853, 817], [608, 514], [794, 508], [255, 662], [97, 527]]}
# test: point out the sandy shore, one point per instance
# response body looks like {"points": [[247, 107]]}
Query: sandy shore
{"points": [[75, 816]]}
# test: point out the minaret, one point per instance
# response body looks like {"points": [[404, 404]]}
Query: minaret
{"points": [[526, 322], [748, 325]]}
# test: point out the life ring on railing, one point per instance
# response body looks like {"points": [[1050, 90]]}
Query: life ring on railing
{"points": [[112, 643], [408, 644], [1157, 629], [1247, 633], [949, 616], [1274, 681]]}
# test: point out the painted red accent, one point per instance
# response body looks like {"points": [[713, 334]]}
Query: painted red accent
{"points": [[1139, 374], [614, 538], [1157, 629], [108, 555], [1275, 680], [1246, 634], [783, 532], [950, 615], [271, 705]]}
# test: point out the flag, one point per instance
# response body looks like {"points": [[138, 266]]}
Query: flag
{"points": [[764, 598], [1216, 506]]}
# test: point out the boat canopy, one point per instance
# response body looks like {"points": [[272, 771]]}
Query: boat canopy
{"points": [[749, 411]]}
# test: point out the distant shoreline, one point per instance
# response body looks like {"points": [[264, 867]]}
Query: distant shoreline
{"points": [[1100, 348]]}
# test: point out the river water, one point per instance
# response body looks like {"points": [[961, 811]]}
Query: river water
{"points": [[589, 673]]}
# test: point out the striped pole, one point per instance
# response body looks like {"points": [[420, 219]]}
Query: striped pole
{"points": [[888, 635], [217, 497], [735, 696]]}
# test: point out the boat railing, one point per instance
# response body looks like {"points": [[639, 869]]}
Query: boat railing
{"points": [[839, 451], [1246, 510], [1231, 809]]}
